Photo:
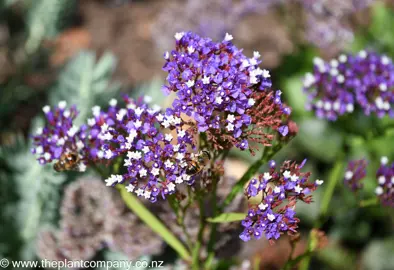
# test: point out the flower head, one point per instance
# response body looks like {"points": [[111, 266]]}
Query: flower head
{"points": [[226, 86], [385, 179], [272, 217], [365, 80], [355, 172], [156, 146]]}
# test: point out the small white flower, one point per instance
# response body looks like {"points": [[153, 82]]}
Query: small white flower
{"points": [[293, 178], [379, 191], [160, 117], [334, 72], [176, 147], [46, 109], [287, 174], [179, 35], [168, 164], [47, 156], [107, 136], [104, 127], [349, 107], [253, 61], [39, 150], [108, 154], [251, 102], [230, 127], [67, 113], [256, 54], [309, 80], [190, 83], [340, 78], [277, 190], [180, 156], [139, 111], [381, 179], [319, 182], [336, 106], [137, 124], [191, 49], [166, 55], [271, 217], [384, 160], [81, 167], [147, 194], [205, 79], [392, 180], [72, 131], [171, 187], [298, 189], [130, 188], [168, 137], [178, 180], [155, 171], [145, 149], [62, 141], [383, 87], [39, 131], [91, 121], [266, 73], [110, 181], [334, 63], [218, 100], [327, 106], [62, 104], [263, 206], [96, 110], [230, 118], [113, 102], [100, 154], [80, 144], [147, 99], [267, 176], [228, 37], [385, 60], [140, 192], [363, 54], [181, 133], [143, 172], [131, 106], [348, 175], [342, 58]]}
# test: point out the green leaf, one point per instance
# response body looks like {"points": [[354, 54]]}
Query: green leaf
{"points": [[153, 222], [227, 217]]}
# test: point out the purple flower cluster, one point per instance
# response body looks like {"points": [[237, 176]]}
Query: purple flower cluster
{"points": [[218, 86], [365, 80], [356, 170], [157, 146], [385, 188], [280, 192], [59, 136]]}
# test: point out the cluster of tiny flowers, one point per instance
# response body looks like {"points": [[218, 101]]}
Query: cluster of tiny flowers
{"points": [[218, 86], [280, 191], [356, 170], [157, 147], [385, 188], [337, 86], [59, 136]]}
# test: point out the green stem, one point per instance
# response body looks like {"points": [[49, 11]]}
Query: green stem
{"points": [[333, 180], [212, 238], [153, 222], [369, 202], [200, 238], [268, 153]]}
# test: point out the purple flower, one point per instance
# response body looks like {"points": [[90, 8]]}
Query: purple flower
{"points": [[59, 136], [385, 178], [218, 86], [157, 146], [355, 172], [281, 190], [365, 80]]}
